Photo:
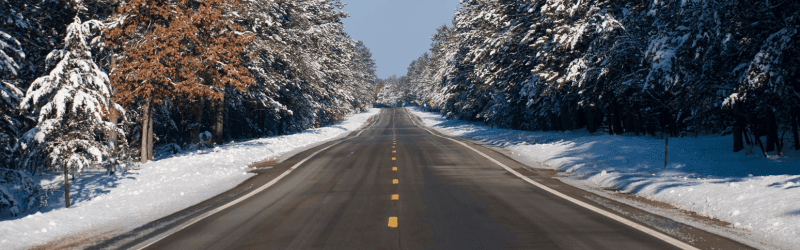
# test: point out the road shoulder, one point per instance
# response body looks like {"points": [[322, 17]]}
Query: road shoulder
{"points": [[259, 172], [654, 216]]}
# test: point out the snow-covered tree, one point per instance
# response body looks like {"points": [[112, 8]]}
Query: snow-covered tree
{"points": [[658, 67], [10, 95], [10, 53], [308, 71], [183, 51], [179, 67], [19, 193], [71, 104], [11, 56], [364, 76]]}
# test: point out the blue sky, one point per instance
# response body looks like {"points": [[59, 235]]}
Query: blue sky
{"points": [[396, 31]]}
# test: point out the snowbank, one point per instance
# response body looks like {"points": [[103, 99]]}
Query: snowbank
{"points": [[760, 196], [120, 203]]}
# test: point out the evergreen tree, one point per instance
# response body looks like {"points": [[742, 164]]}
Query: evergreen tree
{"points": [[26, 29], [666, 68], [10, 94], [182, 50], [71, 103]]}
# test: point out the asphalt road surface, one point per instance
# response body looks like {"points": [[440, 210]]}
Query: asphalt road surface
{"points": [[395, 185]]}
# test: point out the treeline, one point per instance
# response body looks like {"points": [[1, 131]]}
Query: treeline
{"points": [[98, 83], [395, 91], [663, 68]]}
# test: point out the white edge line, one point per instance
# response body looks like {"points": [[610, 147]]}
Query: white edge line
{"points": [[367, 128], [234, 202], [654, 233]]}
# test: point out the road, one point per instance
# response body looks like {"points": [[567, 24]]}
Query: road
{"points": [[395, 185]]}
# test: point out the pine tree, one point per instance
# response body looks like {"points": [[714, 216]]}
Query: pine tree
{"points": [[71, 103], [363, 67], [11, 56], [304, 69], [674, 67], [179, 51], [10, 94]]}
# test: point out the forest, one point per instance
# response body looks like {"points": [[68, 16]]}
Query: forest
{"points": [[106, 84], [663, 68]]}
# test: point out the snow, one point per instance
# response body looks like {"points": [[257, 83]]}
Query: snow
{"points": [[122, 202], [759, 196]]}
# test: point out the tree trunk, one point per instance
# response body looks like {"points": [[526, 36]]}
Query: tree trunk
{"points": [[555, 122], [746, 135], [640, 125], [758, 141], [151, 135], [773, 142], [112, 140], [220, 120], [666, 122], [633, 124], [66, 186], [147, 131], [618, 118], [580, 118], [666, 151], [566, 123], [795, 117], [197, 121], [590, 125], [738, 143], [114, 119], [616, 123]]}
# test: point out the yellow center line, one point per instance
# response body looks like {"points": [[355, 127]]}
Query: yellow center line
{"points": [[393, 219]]}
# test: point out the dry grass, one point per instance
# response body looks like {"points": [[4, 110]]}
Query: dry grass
{"points": [[75, 241], [691, 214], [264, 163]]}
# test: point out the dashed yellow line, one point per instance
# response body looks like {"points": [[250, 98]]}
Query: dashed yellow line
{"points": [[393, 220]]}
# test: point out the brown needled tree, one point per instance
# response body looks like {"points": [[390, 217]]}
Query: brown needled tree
{"points": [[175, 50], [219, 46]]}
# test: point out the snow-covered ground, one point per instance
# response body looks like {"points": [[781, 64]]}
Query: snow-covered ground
{"points": [[121, 202], [759, 196]]}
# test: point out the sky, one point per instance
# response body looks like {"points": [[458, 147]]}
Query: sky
{"points": [[396, 31]]}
